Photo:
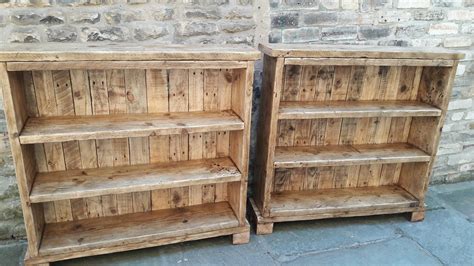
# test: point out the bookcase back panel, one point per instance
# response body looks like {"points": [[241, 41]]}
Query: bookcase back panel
{"points": [[351, 83], [335, 131], [99, 92], [311, 178]]}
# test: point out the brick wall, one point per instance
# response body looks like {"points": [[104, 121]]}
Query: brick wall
{"points": [[380, 22]]}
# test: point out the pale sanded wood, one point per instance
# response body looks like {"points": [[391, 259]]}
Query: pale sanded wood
{"points": [[365, 61], [83, 65], [357, 51], [313, 110], [287, 157], [94, 182], [40, 130], [104, 51], [106, 232], [339, 200]]}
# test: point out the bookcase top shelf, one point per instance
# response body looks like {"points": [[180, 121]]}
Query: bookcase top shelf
{"points": [[358, 51], [124, 51]]}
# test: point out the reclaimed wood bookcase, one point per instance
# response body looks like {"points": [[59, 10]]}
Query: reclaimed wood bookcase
{"points": [[127, 146], [348, 130]]}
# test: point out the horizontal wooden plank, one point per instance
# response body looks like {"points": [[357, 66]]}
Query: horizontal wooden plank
{"points": [[137, 228], [337, 109], [368, 62], [73, 184], [124, 51], [313, 156], [29, 66], [358, 51], [58, 129], [339, 200]]}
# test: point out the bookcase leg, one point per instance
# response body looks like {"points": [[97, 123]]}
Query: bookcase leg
{"points": [[36, 264], [264, 228], [241, 238], [417, 216]]}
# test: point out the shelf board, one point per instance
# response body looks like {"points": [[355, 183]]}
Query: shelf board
{"points": [[339, 109], [331, 155], [341, 200], [82, 183], [59, 129], [132, 229]]}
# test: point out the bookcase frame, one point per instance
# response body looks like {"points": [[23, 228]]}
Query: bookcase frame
{"points": [[348, 130], [126, 146]]}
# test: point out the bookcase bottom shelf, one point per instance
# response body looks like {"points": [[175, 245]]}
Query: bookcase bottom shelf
{"points": [[339, 202], [104, 235]]}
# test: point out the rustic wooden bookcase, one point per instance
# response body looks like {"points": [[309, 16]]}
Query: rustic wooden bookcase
{"points": [[348, 130], [125, 146]]}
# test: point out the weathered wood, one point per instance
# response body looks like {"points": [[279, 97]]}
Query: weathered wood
{"points": [[287, 157], [124, 51], [357, 51], [94, 182], [56, 129], [365, 61], [338, 200], [130, 229], [313, 110]]}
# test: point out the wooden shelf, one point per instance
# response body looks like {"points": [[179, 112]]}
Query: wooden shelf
{"points": [[103, 181], [339, 200], [313, 156], [59, 129], [136, 228], [338, 109]]}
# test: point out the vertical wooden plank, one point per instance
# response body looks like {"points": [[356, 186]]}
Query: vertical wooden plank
{"points": [[405, 86], [225, 89], [23, 156], [356, 83], [136, 92], [297, 178], [325, 79], [341, 176], [267, 134], [371, 83], [348, 131], [389, 83], [292, 83], [312, 177], [222, 146], [303, 132], [211, 90], [326, 177], [308, 83], [285, 132], [196, 89], [318, 131], [282, 180]]}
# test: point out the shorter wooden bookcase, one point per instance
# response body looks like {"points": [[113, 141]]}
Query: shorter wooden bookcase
{"points": [[348, 130], [126, 146]]}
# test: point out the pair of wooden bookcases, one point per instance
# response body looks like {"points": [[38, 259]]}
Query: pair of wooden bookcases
{"points": [[124, 146]]}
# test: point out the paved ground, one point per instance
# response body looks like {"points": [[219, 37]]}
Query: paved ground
{"points": [[446, 237]]}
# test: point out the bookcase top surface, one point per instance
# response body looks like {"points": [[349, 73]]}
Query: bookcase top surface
{"points": [[358, 51], [124, 51]]}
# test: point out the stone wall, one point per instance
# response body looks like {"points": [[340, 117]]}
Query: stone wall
{"points": [[380, 22]]}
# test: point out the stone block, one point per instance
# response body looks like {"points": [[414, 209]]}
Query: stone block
{"points": [[285, 20], [300, 3], [452, 42], [61, 34], [52, 19], [149, 32], [462, 14], [411, 30], [460, 104], [198, 29], [25, 18], [239, 13], [275, 36], [84, 17], [413, 4], [235, 27], [443, 28], [374, 32], [115, 34], [117, 16], [22, 35], [449, 148], [305, 34], [350, 4], [448, 3], [329, 4], [202, 14], [428, 14], [339, 33], [320, 18], [163, 14], [391, 16]]}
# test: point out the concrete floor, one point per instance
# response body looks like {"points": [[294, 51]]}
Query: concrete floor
{"points": [[446, 237]]}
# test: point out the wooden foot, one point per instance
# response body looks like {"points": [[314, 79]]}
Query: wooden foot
{"points": [[241, 238], [417, 216], [36, 264], [264, 228]]}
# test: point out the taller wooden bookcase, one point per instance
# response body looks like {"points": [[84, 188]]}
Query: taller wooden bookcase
{"points": [[122, 146], [348, 130]]}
